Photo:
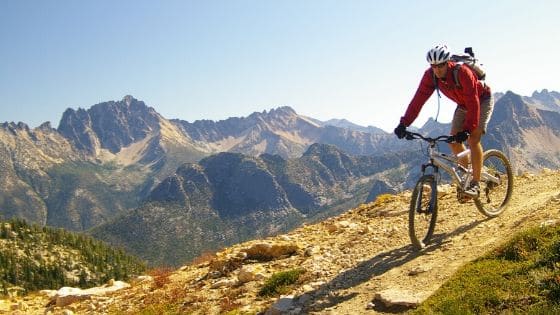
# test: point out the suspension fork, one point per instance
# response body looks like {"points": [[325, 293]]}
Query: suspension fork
{"points": [[435, 168]]}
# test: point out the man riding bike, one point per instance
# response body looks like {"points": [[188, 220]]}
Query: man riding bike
{"points": [[474, 107]]}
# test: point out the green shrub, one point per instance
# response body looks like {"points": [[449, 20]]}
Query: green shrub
{"points": [[280, 282]]}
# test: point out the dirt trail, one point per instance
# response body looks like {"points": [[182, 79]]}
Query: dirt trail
{"points": [[348, 259], [462, 234]]}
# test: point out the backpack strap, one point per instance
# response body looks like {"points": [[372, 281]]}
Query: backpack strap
{"points": [[456, 75], [455, 78]]}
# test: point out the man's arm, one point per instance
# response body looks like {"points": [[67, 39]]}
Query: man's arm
{"points": [[423, 93]]}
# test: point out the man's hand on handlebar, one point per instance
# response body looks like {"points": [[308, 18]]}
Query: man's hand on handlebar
{"points": [[461, 136], [400, 131]]}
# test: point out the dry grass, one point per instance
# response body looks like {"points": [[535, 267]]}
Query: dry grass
{"points": [[161, 276], [203, 258]]}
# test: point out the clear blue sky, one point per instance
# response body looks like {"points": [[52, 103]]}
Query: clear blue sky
{"points": [[359, 60]]}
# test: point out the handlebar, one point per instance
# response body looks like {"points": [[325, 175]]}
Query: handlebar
{"points": [[413, 135]]}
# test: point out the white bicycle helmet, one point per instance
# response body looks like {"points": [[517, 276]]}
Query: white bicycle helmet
{"points": [[438, 54]]}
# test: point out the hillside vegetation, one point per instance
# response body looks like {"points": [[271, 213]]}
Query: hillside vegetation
{"points": [[34, 258], [521, 276]]}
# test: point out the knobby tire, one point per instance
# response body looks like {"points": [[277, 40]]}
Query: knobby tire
{"points": [[493, 200], [422, 214]]}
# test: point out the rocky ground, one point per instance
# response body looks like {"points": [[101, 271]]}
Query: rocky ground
{"points": [[360, 262]]}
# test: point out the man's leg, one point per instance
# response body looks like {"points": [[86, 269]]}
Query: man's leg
{"points": [[476, 152], [486, 109], [457, 148], [456, 126]]}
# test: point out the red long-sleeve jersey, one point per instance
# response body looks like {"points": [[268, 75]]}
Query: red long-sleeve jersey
{"points": [[467, 96]]}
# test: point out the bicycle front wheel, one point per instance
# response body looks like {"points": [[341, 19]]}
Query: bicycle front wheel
{"points": [[423, 211], [496, 184]]}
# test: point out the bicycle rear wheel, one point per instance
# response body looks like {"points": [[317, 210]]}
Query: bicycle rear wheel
{"points": [[496, 184], [423, 211]]}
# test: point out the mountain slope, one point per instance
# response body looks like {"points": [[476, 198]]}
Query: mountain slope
{"points": [[49, 182], [25, 157], [528, 135], [353, 263], [36, 258], [230, 197]]}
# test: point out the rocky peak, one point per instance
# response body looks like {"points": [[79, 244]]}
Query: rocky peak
{"points": [[128, 99], [434, 127], [547, 100], [282, 111], [276, 116], [279, 131], [110, 125], [544, 94], [14, 128], [46, 126], [276, 112]]}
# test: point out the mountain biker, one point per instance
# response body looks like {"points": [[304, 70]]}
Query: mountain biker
{"points": [[474, 107]]}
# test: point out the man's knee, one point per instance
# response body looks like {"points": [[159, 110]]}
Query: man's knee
{"points": [[476, 135]]}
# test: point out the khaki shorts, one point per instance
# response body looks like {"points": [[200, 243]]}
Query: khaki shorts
{"points": [[486, 109]]}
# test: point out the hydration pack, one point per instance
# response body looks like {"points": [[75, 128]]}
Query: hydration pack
{"points": [[470, 61]]}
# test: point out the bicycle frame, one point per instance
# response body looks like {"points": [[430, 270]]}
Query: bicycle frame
{"points": [[443, 161], [450, 163]]}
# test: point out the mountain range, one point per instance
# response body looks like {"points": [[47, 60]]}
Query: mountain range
{"points": [[134, 178]]}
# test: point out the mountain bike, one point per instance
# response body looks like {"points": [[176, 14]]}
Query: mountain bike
{"points": [[496, 186]]}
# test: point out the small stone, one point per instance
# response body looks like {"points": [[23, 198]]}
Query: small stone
{"points": [[285, 238], [224, 283], [418, 270], [247, 274], [311, 251], [392, 297]]}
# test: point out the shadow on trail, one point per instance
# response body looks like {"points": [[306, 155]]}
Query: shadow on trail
{"points": [[328, 295]]}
